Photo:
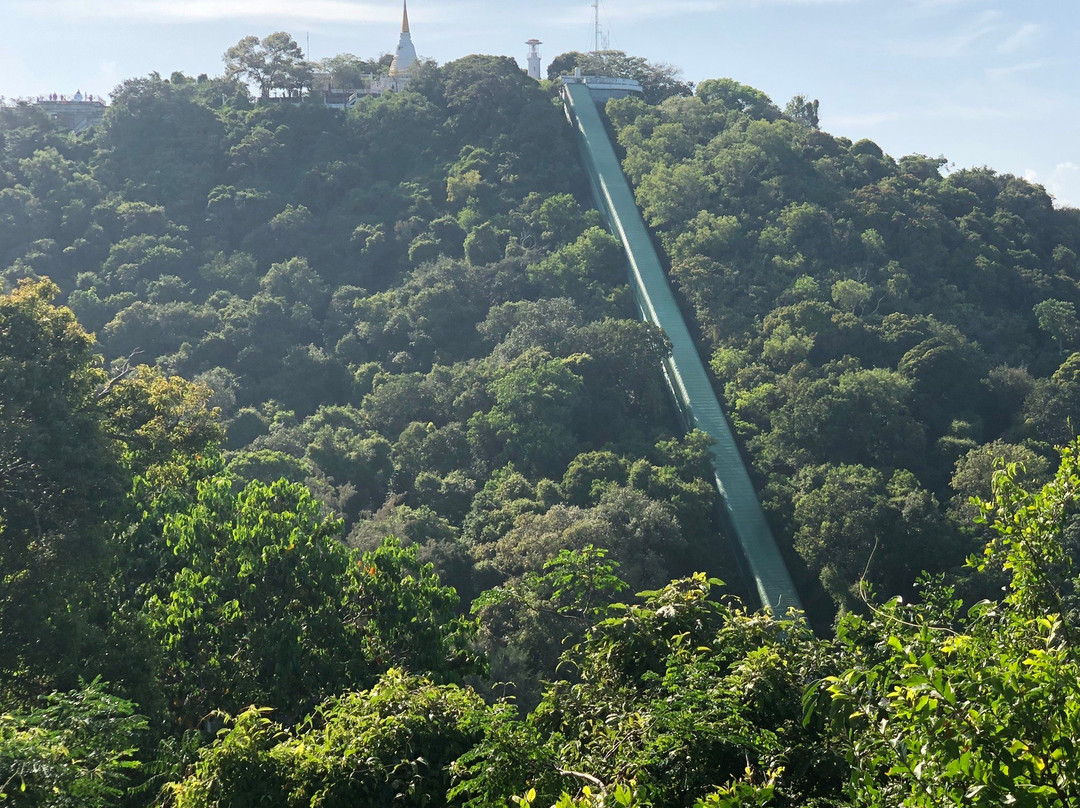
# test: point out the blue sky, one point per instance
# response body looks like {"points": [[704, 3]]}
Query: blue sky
{"points": [[981, 82]]}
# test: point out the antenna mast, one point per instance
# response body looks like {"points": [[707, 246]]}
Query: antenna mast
{"points": [[596, 28]]}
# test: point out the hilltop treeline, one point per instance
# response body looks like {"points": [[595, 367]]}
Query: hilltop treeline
{"points": [[328, 441]]}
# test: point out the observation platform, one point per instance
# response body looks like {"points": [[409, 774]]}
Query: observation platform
{"points": [[78, 116], [604, 88]]}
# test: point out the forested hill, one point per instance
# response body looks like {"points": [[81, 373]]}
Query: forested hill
{"points": [[404, 308], [881, 329], [328, 441]]}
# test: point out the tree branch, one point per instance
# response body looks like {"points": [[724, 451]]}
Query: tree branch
{"points": [[125, 371], [588, 778]]}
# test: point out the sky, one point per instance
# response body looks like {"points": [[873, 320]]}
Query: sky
{"points": [[980, 82]]}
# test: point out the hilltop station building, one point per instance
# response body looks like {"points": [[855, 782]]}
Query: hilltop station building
{"points": [[77, 113]]}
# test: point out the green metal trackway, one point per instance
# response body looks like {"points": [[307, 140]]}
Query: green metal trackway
{"points": [[686, 374]]}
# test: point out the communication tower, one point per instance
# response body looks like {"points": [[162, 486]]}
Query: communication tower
{"points": [[601, 41]]}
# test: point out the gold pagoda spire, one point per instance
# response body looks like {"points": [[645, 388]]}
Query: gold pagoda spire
{"points": [[405, 55]]}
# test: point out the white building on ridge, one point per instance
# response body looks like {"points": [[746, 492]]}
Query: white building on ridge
{"points": [[534, 58], [402, 68]]}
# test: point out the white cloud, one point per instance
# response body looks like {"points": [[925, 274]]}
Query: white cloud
{"points": [[956, 43], [632, 10], [1021, 37], [943, 5], [1023, 67], [929, 12], [865, 120], [1062, 183], [852, 124], [987, 29], [180, 11]]}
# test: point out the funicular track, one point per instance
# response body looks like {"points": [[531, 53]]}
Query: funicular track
{"points": [[742, 517]]}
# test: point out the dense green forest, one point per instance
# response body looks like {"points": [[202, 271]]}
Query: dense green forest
{"points": [[329, 444], [881, 330]]}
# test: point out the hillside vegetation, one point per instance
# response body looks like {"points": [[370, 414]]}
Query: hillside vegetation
{"points": [[880, 329], [329, 441]]}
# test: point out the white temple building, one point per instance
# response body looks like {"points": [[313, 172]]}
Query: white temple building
{"points": [[402, 69], [405, 55]]}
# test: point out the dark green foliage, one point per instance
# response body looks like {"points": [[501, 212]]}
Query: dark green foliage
{"points": [[60, 484], [349, 72], [866, 317], [273, 63], [681, 694], [255, 612], [268, 607], [533, 617], [393, 744], [161, 145], [407, 315], [313, 256], [74, 749], [942, 704]]}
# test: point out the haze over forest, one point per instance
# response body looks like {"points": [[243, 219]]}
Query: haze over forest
{"points": [[337, 468]]}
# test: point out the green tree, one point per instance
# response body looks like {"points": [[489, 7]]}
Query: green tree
{"points": [[487, 94], [679, 693], [393, 744], [1052, 408], [485, 245], [974, 473], [257, 612], [1058, 319], [591, 260], [855, 526], [802, 110], [851, 295], [526, 623], [175, 165], [69, 749], [942, 705], [735, 96], [529, 422], [60, 484], [269, 607], [274, 63], [349, 72]]}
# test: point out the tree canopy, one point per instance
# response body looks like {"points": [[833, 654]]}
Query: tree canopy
{"points": [[336, 467], [871, 322], [275, 62]]}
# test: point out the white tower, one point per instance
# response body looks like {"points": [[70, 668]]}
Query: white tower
{"points": [[405, 55], [534, 58]]}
